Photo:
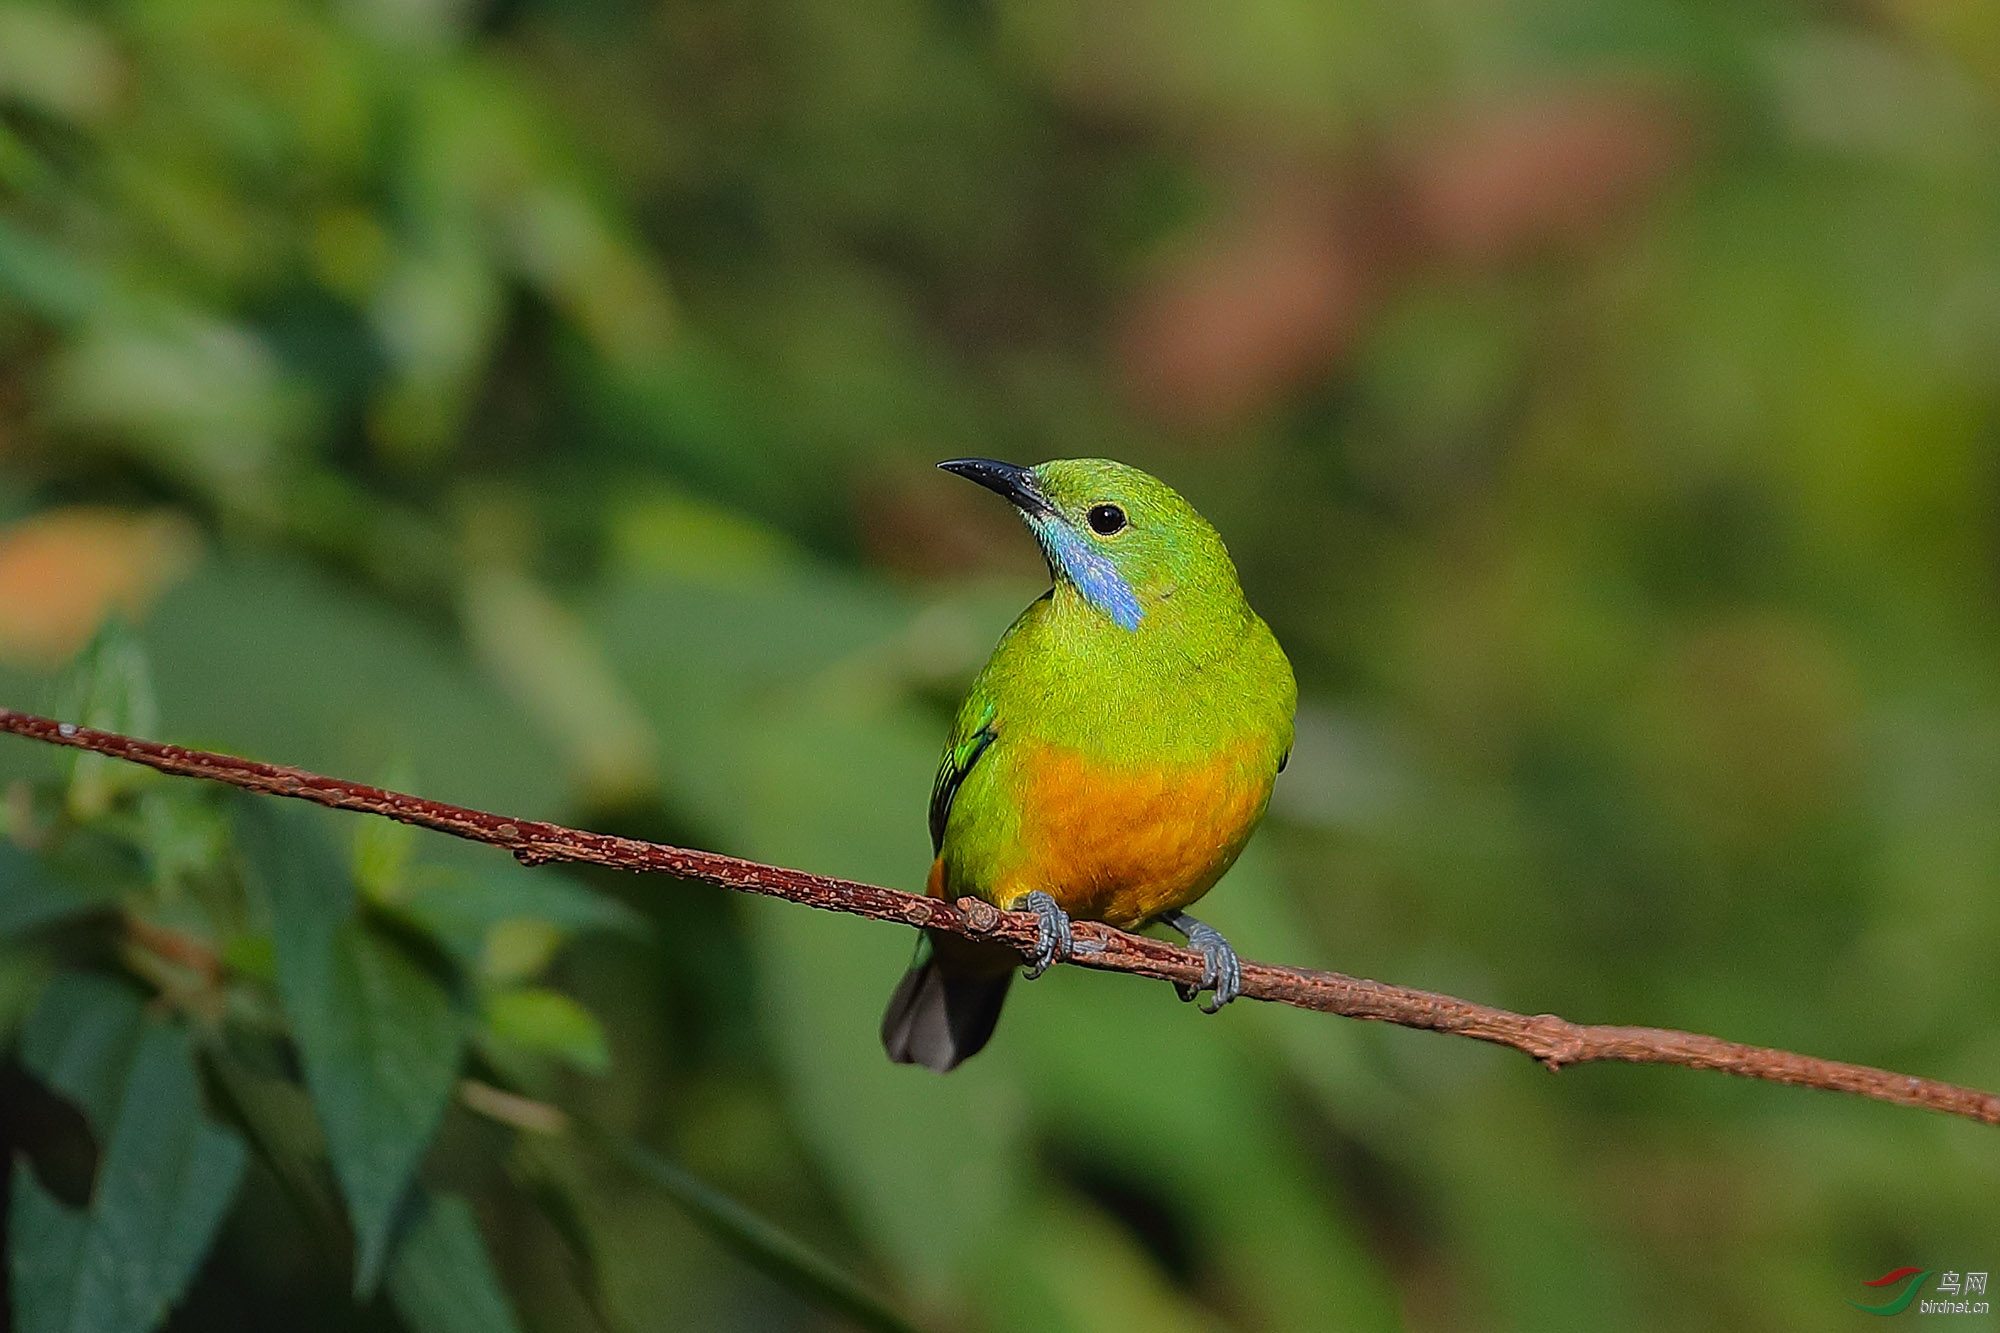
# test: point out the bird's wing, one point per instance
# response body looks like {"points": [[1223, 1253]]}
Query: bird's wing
{"points": [[971, 734]]}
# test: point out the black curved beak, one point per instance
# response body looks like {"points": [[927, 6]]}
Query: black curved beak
{"points": [[1017, 483]]}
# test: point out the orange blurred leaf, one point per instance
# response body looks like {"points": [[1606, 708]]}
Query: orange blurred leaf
{"points": [[63, 572]]}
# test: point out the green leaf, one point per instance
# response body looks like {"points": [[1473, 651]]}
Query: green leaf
{"points": [[46, 280], [443, 1280], [108, 687], [762, 1244], [518, 949], [378, 1035], [57, 63], [385, 849], [79, 1041], [462, 895], [361, 688], [547, 1022], [24, 975], [275, 1115], [31, 895], [183, 830], [554, 667], [166, 1179], [463, 902]]}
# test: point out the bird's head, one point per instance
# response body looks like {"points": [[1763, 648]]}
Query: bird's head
{"points": [[1122, 539]]}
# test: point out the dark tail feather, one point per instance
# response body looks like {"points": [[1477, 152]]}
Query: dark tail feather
{"points": [[941, 1016]]}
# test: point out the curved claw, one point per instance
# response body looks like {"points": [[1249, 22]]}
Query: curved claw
{"points": [[1052, 935], [1221, 969]]}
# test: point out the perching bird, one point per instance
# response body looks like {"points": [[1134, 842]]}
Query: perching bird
{"points": [[1114, 755]]}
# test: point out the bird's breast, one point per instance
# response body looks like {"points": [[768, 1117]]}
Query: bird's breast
{"points": [[1124, 842]]}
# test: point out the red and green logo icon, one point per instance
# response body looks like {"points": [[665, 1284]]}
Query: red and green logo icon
{"points": [[1954, 1292], [1899, 1303]]}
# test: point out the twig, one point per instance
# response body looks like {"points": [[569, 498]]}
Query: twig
{"points": [[1554, 1041], [755, 1240], [511, 1108]]}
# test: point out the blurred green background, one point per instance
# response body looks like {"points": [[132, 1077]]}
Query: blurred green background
{"points": [[533, 405]]}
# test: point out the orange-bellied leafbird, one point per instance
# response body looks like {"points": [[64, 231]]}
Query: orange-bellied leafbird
{"points": [[1114, 755]]}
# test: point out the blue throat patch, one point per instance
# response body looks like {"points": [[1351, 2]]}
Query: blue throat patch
{"points": [[1088, 571]]}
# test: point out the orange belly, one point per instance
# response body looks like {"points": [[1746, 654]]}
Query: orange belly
{"points": [[1124, 845]]}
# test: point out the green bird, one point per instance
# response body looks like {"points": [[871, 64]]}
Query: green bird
{"points": [[1112, 758]]}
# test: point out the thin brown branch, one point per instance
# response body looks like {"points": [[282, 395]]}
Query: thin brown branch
{"points": [[511, 1108], [1553, 1041]]}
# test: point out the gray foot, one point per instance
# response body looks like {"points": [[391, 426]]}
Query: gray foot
{"points": [[1052, 938], [1221, 970]]}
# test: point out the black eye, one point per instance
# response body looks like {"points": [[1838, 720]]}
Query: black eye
{"points": [[1106, 519]]}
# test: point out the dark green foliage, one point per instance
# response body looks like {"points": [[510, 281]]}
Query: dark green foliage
{"points": [[165, 1175], [262, 937], [443, 1280], [34, 893], [763, 1245], [378, 1035]]}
